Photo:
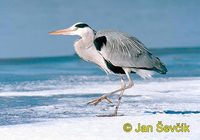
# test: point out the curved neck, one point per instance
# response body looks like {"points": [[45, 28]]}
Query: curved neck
{"points": [[88, 38]]}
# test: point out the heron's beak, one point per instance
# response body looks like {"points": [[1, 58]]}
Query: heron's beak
{"points": [[67, 31]]}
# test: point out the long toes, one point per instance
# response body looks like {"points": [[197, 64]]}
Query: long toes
{"points": [[96, 101], [108, 99], [91, 102], [107, 115]]}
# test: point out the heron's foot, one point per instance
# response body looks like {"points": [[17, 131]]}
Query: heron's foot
{"points": [[110, 115], [98, 100]]}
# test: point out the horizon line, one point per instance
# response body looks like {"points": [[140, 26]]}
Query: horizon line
{"points": [[74, 54]]}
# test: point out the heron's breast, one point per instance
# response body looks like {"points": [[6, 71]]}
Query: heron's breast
{"points": [[92, 55]]}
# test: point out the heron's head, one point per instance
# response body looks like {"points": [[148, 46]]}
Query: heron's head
{"points": [[81, 29]]}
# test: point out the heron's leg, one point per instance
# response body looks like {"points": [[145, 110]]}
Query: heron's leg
{"points": [[120, 97], [124, 87], [130, 84], [105, 96]]}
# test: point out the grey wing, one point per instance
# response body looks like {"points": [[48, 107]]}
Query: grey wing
{"points": [[123, 50]]}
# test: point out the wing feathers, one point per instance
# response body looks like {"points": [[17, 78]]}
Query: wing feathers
{"points": [[123, 50]]}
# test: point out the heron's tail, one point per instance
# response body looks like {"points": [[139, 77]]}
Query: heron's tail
{"points": [[159, 66]]}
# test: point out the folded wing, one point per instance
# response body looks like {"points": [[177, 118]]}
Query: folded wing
{"points": [[126, 51]]}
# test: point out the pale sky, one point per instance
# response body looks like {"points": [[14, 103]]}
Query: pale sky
{"points": [[24, 24]]}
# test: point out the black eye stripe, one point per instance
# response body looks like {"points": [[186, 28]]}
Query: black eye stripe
{"points": [[81, 25]]}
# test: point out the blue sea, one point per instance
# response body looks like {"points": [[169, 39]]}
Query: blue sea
{"points": [[41, 89]]}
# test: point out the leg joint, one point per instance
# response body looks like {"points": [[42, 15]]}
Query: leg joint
{"points": [[130, 84]]}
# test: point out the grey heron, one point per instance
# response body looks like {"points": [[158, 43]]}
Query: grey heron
{"points": [[116, 53]]}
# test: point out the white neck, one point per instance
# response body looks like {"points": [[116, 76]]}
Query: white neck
{"points": [[87, 37], [86, 50]]}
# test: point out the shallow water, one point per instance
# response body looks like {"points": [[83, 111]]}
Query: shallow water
{"points": [[39, 89]]}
